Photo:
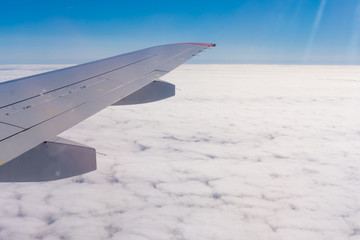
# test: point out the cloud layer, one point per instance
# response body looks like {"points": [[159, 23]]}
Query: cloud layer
{"points": [[241, 152]]}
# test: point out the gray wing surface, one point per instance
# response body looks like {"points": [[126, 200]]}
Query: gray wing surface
{"points": [[35, 109]]}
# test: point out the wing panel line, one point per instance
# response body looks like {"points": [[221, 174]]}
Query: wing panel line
{"points": [[42, 121], [167, 59], [80, 81], [112, 90], [12, 125]]}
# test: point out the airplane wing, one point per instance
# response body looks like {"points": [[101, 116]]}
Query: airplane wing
{"points": [[35, 109]]}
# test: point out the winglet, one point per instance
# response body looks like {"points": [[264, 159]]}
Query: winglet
{"points": [[202, 44]]}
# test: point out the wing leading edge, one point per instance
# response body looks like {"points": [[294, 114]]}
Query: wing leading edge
{"points": [[35, 109]]}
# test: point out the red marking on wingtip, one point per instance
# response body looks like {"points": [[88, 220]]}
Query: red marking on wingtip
{"points": [[202, 44]]}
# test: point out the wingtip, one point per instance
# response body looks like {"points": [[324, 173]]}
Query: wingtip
{"points": [[202, 44]]}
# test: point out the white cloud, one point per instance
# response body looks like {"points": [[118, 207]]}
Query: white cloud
{"points": [[242, 152]]}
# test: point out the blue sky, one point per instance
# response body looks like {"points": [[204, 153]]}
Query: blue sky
{"points": [[246, 31]]}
